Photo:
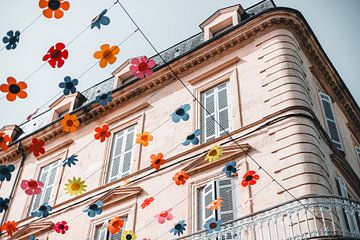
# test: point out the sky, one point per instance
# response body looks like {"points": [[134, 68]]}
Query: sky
{"points": [[335, 23]]}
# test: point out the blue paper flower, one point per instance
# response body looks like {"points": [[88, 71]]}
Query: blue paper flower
{"points": [[43, 211], [4, 204], [32, 238], [70, 161], [11, 39], [181, 113], [212, 225], [69, 85], [178, 228], [5, 172], [99, 20], [94, 209], [192, 138], [230, 168], [104, 98]]}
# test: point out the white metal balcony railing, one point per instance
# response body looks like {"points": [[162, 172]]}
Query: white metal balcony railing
{"points": [[323, 217]]}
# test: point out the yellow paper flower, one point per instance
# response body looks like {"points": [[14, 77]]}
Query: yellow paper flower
{"points": [[75, 186], [128, 235], [214, 154]]}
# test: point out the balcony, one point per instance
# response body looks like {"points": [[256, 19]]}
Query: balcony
{"points": [[323, 217]]}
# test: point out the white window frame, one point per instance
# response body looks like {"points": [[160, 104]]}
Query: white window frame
{"points": [[327, 98], [125, 131], [103, 227], [51, 166], [203, 114]]}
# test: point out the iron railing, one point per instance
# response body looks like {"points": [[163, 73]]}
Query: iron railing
{"points": [[321, 217]]}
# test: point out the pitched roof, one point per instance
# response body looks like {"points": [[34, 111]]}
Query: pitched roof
{"points": [[170, 55]]}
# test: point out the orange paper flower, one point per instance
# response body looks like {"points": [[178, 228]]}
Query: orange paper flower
{"points": [[106, 55], [147, 202], [102, 133], [10, 227], [180, 177], [70, 123], [13, 89], [214, 205], [4, 140], [53, 8], [115, 225], [144, 138], [157, 160]]}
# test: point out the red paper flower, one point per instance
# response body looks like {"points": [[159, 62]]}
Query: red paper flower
{"points": [[61, 227], [181, 177], [164, 215], [56, 55], [142, 67], [157, 160], [250, 178], [10, 227], [102, 133], [37, 147], [13, 89], [31, 187], [147, 202], [4, 139]]}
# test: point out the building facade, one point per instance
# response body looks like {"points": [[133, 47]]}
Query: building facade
{"points": [[259, 85]]}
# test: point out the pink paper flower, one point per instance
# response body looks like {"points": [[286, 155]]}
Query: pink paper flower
{"points": [[31, 186], [142, 67], [164, 215]]}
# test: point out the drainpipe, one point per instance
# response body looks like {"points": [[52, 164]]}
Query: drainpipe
{"points": [[23, 157]]}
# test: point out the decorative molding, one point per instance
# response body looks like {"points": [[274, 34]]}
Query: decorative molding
{"points": [[131, 111], [34, 228], [214, 70], [56, 148], [229, 153], [119, 194]]}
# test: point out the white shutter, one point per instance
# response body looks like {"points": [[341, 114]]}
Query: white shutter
{"points": [[217, 103], [331, 120], [102, 232], [344, 193], [206, 195], [226, 190], [121, 154], [47, 176], [357, 150]]}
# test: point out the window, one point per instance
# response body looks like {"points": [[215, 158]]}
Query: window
{"points": [[357, 150], [221, 27], [344, 193], [47, 176], [331, 120], [227, 190], [121, 154], [103, 234], [217, 103]]}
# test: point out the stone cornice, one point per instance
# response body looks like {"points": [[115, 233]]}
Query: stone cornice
{"points": [[34, 228], [274, 18]]}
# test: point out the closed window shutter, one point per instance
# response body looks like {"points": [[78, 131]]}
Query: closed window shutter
{"points": [[331, 120], [344, 193], [47, 176], [121, 154], [217, 103], [225, 190]]}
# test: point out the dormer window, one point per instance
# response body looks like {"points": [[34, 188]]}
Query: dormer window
{"points": [[221, 21], [221, 27], [66, 104]]}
